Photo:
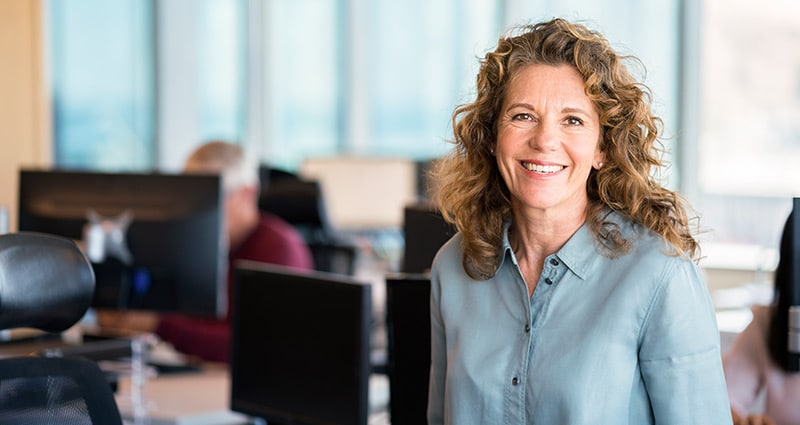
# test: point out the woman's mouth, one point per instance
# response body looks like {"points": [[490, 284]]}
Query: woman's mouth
{"points": [[542, 169]]}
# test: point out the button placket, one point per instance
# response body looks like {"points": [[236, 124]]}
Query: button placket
{"points": [[551, 270]]}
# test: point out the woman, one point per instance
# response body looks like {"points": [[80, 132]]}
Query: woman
{"points": [[569, 295], [759, 359]]}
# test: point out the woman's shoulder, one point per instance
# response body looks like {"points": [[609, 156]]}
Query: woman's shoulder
{"points": [[652, 260], [643, 241], [450, 251]]}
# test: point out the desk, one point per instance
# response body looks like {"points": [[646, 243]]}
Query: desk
{"points": [[194, 398], [203, 398]]}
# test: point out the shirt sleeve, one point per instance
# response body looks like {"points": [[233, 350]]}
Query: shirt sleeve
{"points": [[679, 353], [741, 363], [436, 386]]}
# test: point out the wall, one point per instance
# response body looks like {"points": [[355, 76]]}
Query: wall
{"points": [[24, 110]]}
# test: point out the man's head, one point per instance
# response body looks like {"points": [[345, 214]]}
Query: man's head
{"points": [[240, 182]]}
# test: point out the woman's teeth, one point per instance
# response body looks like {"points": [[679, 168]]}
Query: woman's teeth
{"points": [[542, 169]]}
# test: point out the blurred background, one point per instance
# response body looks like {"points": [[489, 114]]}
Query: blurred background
{"points": [[135, 85]]}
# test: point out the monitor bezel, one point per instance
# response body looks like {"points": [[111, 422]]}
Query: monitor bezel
{"points": [[251, 274], [62, 196]]}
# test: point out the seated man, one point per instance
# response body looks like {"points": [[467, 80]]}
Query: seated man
{"points": [[252, 235]]}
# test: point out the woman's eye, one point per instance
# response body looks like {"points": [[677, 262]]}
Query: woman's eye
{"points": [[574, 121], [522, 117]]}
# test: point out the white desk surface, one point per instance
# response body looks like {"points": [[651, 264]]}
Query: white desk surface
{"points": [[195, 398], [203, 398]]}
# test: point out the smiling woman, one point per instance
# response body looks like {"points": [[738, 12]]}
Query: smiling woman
{"points": [[566, 240], [548, 141]]}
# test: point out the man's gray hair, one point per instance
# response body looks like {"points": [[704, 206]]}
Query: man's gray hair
{"points": [[227, 159]]}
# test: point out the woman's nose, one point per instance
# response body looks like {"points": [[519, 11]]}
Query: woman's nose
{"points": [[545, 136]]}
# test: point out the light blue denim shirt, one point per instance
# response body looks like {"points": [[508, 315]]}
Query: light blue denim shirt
{"points": [[631, 340]]}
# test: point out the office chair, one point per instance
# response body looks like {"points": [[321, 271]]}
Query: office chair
{"points": [[47, 283], [300, 203]]}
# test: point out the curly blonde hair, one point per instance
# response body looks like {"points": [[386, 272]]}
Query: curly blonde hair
{"points": [[471, 193]]}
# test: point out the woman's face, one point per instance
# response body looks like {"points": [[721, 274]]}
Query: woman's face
{"points": [[548, 139]]}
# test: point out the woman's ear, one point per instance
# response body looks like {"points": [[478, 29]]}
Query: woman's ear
{"points": [[599, 160]]}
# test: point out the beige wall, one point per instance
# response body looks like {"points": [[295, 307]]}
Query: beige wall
{"points": [[24, 110]]}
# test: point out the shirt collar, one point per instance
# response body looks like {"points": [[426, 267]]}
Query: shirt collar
{"points": [[578, 254]]}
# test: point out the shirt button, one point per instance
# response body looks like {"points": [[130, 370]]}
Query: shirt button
{"points": [[548, 281], [527, 327], [515, 381], [553, 261]]}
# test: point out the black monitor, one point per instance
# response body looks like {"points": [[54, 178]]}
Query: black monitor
{"points": [[408, 328], [301, 204], [789, 302], [424, 232], [155, 240], [300, 346]]}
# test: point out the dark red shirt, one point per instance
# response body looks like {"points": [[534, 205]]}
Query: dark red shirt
{"points": [[272, 241]]}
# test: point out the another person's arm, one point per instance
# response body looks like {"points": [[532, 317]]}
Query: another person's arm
{"points": [[125, 322], [742, 365], [751, 420]]}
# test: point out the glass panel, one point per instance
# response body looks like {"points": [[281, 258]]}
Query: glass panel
{"points": [[381, 79], [749, 141], [221, 46], [103, 83], [750, 132], [304, 60], [422, 63]]}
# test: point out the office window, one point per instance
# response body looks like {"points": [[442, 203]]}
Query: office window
{"points": [[296, 79], [304, 69], [422, 57], [750, 134], [102, 83], [369, 77], [748, 147], [221, 55], [137, 84]]}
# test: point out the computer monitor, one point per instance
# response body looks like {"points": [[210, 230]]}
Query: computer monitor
{"points": [[408, 328], [424, 232], [300, 346], [155, 240], [788, 305]]}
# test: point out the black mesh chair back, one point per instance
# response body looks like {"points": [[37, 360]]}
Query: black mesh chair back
{"points": [[47, 283], [58, 390]]}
